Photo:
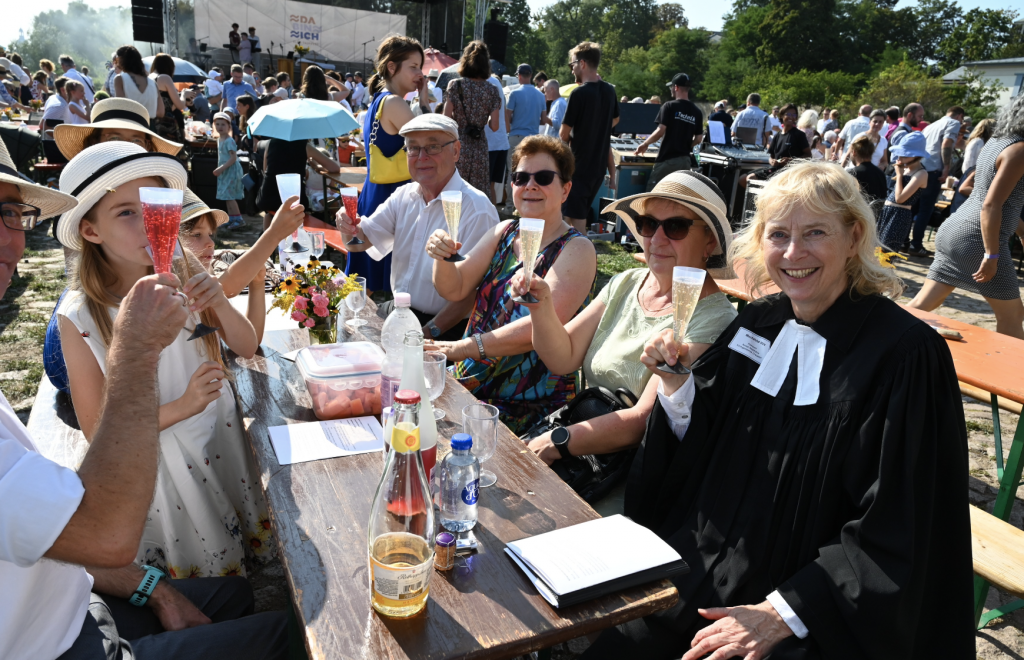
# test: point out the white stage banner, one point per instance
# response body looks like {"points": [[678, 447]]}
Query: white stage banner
{"points": [[336, 33]]}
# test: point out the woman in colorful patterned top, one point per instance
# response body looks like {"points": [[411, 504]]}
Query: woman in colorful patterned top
{"points": [[496, 360]]}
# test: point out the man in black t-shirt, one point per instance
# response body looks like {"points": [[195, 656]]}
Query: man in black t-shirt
{"points": [[680, 128], [721, 115], [591, 114]]}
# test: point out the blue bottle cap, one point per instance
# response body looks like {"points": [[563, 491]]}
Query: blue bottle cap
{"points": [[462, 441]]}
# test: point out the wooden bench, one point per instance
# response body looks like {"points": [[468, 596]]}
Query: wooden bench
{"points": [[998, 551], [45, 170]]}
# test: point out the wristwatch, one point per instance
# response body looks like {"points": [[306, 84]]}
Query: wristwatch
{"points": [[434, 331], [146, 587], [560, 439]]}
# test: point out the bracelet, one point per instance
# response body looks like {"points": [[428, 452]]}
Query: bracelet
{"points": [[146, 587], [480, 345], [992, 256]]}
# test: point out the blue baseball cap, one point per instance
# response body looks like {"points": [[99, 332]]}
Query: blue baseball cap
{"points": [[912, 146]]}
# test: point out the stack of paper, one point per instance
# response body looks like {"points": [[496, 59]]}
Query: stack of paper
{"points": [[315, 441], [598, 557]]}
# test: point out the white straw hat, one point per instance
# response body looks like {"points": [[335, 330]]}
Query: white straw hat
{"points": [[697, 193], [193, 207], [49, 201], [110, 113], [103, 167]]}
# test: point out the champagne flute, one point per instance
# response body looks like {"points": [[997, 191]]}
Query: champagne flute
{"points": [[356, 301], [161, 215], [290, 185], [350, 198], [686, 286], [435, 370], [451, 202], [531, 231], [319, 243], [480, 420]]}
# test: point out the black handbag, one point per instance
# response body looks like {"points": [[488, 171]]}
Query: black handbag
{"points": [[594, 475]]}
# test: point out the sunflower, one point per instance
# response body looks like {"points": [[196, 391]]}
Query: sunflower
{"points": [[256, 543], [194, 571], [263, 523], [173, 571], [289, 285], [231, 569], [885, 258]]}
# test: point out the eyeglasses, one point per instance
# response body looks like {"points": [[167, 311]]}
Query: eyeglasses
{"points": [[676, 229], [542, 177], [431, 149], [19, 217], [574, 63]]}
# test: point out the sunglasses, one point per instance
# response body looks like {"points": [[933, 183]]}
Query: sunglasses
{"points": [[542, 177], [676, 229]]}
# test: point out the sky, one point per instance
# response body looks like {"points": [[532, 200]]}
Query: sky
{"points": [[18, 15]]}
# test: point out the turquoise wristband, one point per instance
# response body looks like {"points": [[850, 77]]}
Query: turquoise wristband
{"points": [[146, 587]]}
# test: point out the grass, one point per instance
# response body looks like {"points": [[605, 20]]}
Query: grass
{"points": [[980, 427], [612, 259]]}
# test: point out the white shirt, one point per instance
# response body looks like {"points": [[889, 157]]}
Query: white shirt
{"points": [[75, 75], [44, 602], [753, 117], [971, 153], [55, 108], [358, 94], [556, 114], [776, 124], [856, 126], [402, 225], [214, 88], [498, 140], [18, 72], [74, 119], [879, 153]]}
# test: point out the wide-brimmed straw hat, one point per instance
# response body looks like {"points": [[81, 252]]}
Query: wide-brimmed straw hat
{"points": [[110, 113], [103, 167], [193, 207], [49, 201], [697, 193]]}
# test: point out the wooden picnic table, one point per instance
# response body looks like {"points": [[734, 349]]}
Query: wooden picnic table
{"points": [[484, 608], [332, 236]]}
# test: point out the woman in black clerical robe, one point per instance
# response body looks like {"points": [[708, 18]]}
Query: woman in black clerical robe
{"points": [[813, 469]]}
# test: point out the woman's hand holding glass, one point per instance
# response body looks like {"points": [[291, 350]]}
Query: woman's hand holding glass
{"points": [[346, 225], [204, 291], [662, 348], [538, 288], [440, 245], [287, 220]]}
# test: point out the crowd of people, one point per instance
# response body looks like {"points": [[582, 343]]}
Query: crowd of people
{"points": [[782, 480]]}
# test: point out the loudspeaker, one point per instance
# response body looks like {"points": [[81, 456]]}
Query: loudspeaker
{"points": [[496, 38], [148, 21]]}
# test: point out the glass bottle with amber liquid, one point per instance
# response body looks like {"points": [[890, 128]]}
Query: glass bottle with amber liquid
{"points": [[401, 529]]}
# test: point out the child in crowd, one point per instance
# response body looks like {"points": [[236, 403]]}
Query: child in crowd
{"points": [[897, 216], [77, 114], [207, 516], [237, 270], [229, 171]]}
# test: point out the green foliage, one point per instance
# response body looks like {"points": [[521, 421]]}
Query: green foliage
{"points": [[804, 88], [645, 71], [979, 36], [88, 35], [735, 56], [525, 42], [976, 95], [795, 34], [901, 84]]}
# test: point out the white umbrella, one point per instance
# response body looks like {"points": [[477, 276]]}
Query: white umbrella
{"points": [[184, 71]]}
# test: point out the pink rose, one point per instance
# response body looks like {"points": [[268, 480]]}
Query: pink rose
{"points": [[320, 310], [309, 323], [320, 300], [298, 316], [300, 302]]}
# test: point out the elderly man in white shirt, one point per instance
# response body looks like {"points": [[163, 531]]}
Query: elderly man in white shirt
{"points": [[71, 72], [54, 521], [403, 223]]}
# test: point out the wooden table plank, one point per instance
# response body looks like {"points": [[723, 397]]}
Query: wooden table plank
{"points": [[332, 236], [485, 608]]}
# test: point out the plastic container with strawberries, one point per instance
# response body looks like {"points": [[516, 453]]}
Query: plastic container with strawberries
{"points": [[342, 379]]}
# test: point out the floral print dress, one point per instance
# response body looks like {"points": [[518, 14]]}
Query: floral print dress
{"points": [[208, 517], [473, 101], [520, 386]]}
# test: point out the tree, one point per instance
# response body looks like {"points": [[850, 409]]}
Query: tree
{"points": [[803, 88], [979, 36], [525, 43], [976, 95], [798, 33], [734, 57], [646, 71], [902, 84], [935, 20], [565, 24], [670, 16]]}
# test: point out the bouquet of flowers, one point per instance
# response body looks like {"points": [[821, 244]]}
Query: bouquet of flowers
{"points": [[36, 104], [301, 50], [312, 296]]}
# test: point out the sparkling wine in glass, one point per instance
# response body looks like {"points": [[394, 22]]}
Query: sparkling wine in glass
{"points": [[355, 301], [350, 198], [531, 231], [290, 185], [318, 241], [161, 216], [480, 420], [451, 202], [435, 369], [686, 286]]}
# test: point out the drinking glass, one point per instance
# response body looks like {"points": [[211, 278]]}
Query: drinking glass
{"points": [[480, 420], [355, 301], [290, 185], [350, 198], [531, 231], [435, 368], [451, 202], [161, 215], [318, 241], [686, 286]]}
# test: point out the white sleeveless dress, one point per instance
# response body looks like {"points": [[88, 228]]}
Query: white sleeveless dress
{"points": [[148, 98], [208, 515]]}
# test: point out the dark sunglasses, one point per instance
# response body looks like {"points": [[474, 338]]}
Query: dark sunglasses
{"points": [[676, 229], [543, 178]]}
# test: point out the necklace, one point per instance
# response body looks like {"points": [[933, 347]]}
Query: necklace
{"points": [[643, 305]]}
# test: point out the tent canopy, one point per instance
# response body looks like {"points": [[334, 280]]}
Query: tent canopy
{"points": [[435, 59]]}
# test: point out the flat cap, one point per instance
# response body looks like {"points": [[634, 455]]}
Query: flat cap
{"points": [[431, 122]]}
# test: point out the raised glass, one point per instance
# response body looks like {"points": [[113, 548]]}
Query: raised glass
{"points": [[531, 232], [686, 286]]}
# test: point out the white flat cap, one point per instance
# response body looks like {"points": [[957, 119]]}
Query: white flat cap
{"points": [[431, 122]]}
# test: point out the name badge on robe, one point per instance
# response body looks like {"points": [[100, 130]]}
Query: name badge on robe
{"points": [[810, 358], [753, 346]]}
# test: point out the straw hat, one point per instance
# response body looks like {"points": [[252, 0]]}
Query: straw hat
{"points": [[103, 167], [49, 201], [697, 193], [193, 207], [110, 113]]}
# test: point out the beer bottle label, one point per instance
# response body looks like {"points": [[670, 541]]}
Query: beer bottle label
{"points": [[405, 440]]}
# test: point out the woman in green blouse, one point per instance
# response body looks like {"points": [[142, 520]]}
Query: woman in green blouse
{"points": [[682, 222]]}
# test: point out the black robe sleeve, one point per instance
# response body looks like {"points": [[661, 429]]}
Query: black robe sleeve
{"points": [[898, 575]]}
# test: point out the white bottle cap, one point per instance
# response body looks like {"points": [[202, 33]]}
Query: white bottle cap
{"points": [[403, 299]]}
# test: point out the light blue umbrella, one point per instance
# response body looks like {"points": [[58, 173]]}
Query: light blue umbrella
{"points": [[302, 119]]}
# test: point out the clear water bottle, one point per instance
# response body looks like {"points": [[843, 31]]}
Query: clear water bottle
{"points": [[392, 338], [460, 485]]}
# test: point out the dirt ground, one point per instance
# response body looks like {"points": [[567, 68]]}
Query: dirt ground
{"points": [[26, 308]]}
